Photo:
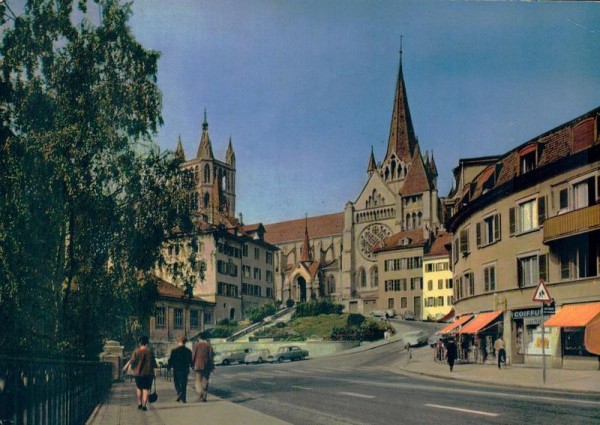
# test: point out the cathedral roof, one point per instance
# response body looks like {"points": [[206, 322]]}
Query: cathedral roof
{"points": [[179, 153], [417, 180], [293, 230], [402, 140], [372, 166], [205, 147]]}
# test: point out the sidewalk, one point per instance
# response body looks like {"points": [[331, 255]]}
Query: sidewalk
{"points": [[121, 409], [577, 381]]}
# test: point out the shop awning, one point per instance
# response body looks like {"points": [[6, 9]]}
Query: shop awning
{"points": [[591, 339], [574, 315], [448, 316], [480, 322], [452, 326]]}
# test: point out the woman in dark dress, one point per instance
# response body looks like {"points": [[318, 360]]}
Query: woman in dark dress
{"points": [[451, 352]]}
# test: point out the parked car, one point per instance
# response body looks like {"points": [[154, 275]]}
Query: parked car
{"points": [[162, 361], [383, 313], [408, 315], [259, 356], [229, 357], [390, 312], [415, 338], [291, 353]]}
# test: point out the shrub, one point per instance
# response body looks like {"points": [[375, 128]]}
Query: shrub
{"points": [[355, 319], [316, 308], [289, 303], [280, 325], [256, 314]]}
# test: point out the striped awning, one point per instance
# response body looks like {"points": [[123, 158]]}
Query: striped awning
{"points": [[480, 322], [454, 325]]}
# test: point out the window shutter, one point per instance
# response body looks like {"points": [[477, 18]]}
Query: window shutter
{"points": [[497, 232], [512, 221], [543, 267], [541, 210], [478, 231], [563, 199], [519, 273], [486, 278]]}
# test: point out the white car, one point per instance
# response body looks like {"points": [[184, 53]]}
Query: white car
{"points": [[259, 356], [415, 338]]}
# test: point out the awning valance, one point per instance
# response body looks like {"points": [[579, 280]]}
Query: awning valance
{"points": [[574, 315], [452, 326], [480, 322]]}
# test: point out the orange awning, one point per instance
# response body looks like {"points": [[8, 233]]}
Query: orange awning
{"points": [[480, 322], [460, 321], [574, 315]]}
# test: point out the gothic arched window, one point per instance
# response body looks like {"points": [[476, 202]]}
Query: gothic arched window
{"points": [[374, 277], [206, 174], [206, 200]]}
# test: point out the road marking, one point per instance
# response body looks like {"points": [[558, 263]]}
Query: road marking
{"points": [[458, 409], [267, 383], [357, 395], [302, 388]]}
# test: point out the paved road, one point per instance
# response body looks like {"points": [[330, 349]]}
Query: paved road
{"points": [[364, 388]]}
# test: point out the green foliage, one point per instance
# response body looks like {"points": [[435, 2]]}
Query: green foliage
{"points": [[304, 327], [289, 303], [368, 330], [355, 319], [316, 308], [256, 314], [224, 329], [79, 105]]}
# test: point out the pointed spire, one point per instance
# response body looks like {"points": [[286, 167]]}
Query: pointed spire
{"points": [[205, 148], [306, 255], [432, 166], [371, 167], [230, 154], [179, 153], [402, 135]]}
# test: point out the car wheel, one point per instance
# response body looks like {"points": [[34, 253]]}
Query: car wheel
{"points": [[260, 360], [280, 359], [225, 362]]}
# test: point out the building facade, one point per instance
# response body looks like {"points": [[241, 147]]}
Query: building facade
{"points": [[532, 215], [227, 264], [400, 195], [438, 292]]}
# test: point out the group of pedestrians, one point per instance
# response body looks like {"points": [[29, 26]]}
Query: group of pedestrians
{"points": [[452, 351], [143, 366]]}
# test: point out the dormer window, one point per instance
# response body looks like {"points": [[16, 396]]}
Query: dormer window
{"points": [[528, 158]]}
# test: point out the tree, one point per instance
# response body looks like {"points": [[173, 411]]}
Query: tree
{"points": [[87, 199]]}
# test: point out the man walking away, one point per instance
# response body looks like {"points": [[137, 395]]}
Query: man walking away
{"points": [[500, 351], [181, 361], [203, 365], [451, 352]]}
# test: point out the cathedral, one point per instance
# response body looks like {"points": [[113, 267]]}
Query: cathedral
{"points": [[337, 255]]}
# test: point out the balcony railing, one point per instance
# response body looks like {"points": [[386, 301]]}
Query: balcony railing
{"points": [[576, 222]]}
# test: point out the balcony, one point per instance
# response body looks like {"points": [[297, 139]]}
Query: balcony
{"points": [[573, 223]]}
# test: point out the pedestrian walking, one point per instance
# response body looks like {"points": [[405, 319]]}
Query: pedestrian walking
{"points": [[451, 352], [180, 361], [500, 351], [144, 366], [203, 361]]}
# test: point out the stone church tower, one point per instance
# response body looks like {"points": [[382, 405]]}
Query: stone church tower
{"points": [[213, 197]]}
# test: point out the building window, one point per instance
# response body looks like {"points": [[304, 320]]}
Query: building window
{"points": [[440, 301], [178, 322], [269, 257], [245, 250], [363, 278], [470, 280], [489, 278], [528, 271], [256, 254], [528, 162], [161, 317], [269, 292], [208, 318], [450, 300], [464, 241], [375, 277], [403, 302], [440, 283], [390, 303], [488, 231], [247, 271], [430, 285], [449, 284], [579, 258], [257, 273], [429, 267], [194, 322], [584, 193]]}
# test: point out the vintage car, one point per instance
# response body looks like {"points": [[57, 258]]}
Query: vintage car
{"points": [[291, 353]]}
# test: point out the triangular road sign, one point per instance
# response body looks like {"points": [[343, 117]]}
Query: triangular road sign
{"points": [[541, 293]]}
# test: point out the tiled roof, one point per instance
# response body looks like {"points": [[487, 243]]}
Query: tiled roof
{"points": [[416, 179], [438, 247], [168, 290], [414, 237], [293, 230]]}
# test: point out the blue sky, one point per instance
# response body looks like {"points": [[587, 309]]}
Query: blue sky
{"points": [[305, 88]]}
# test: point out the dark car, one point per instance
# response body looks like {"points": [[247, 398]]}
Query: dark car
{"points": [[291, 353]]}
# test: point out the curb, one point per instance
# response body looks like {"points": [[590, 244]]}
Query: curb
{"points": [[402, 370]]}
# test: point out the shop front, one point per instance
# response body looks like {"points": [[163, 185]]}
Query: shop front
{"points": [[577, 329], [477, 337], [527, 336]]}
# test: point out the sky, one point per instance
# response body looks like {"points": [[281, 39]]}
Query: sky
{"points": [[306, 88]]}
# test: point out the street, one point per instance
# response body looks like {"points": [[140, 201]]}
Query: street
{"points": [[364, 388]]}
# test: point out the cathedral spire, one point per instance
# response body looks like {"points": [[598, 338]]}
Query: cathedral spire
{"points": [[205, 148], [230, 154], [179, 153], [402, 139], [306, 255], [372, 166]]}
